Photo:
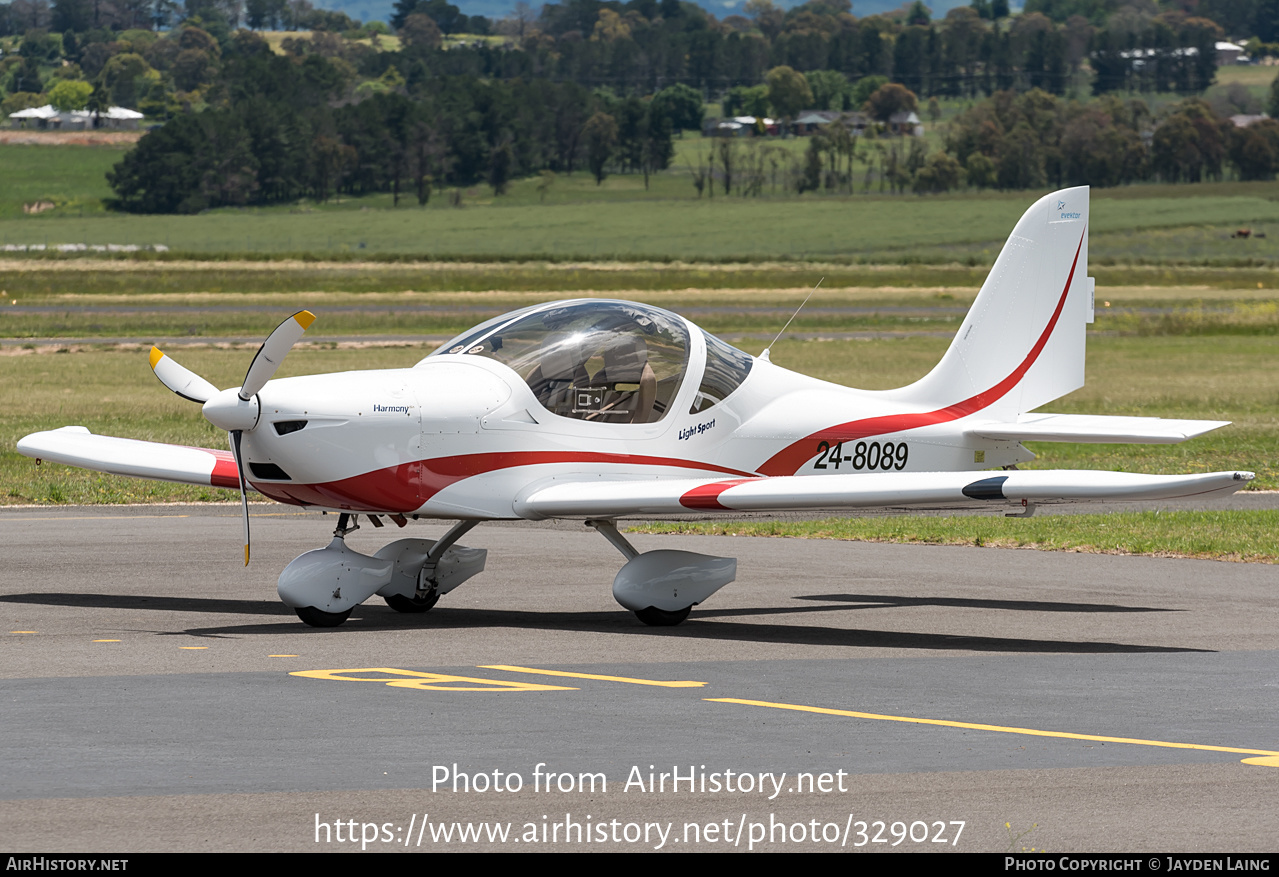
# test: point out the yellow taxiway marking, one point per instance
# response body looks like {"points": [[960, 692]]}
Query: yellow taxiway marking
{"points": [[106, 640], [281, 656], [24, 631], [658, 682], [425, 681], [1269, 758], [193, 648]]}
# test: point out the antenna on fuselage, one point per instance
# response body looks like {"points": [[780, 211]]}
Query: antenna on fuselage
{"points": [[765, 355]]}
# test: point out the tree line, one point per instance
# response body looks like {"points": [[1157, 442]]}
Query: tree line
{"points": [[280, 135]]}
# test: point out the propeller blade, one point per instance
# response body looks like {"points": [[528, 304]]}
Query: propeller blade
{"points": [[244, 499], [180, 380], [273, 351]]}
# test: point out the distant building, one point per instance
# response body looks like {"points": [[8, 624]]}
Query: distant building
{"points": [[741, 126], [905, 124], [1229, 53], [811, 121], [48, 117]]}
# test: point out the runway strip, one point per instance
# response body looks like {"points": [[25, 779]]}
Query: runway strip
{"points": [[157, 696]]}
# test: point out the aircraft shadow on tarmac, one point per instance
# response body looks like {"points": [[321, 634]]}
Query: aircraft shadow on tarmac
{"points": [[374, 618]]}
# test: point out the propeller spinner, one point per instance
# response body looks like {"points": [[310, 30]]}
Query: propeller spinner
{"points": [[235, 410]]}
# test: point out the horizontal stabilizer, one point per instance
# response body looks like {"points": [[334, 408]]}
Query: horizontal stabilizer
{"points": [[76, 446], [1095, 429], [919, 490]]}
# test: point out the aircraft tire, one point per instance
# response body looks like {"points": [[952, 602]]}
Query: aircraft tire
{"points": [[654, 617], [319, 618], [412, 605]]}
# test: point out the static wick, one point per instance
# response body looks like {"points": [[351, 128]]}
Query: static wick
{"points": [[767, 350]]}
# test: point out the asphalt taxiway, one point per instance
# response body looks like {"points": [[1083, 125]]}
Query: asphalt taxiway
{"points": [[157, 696]]}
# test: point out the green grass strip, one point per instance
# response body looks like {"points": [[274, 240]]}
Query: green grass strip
{"points": [[1247, 536]]}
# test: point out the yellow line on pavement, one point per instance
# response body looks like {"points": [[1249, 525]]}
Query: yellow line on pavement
{"points": [[657, 682], [1270, 758]]}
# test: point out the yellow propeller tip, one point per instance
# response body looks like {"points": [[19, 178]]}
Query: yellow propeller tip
{"points": [[246, 555], [305, 319], [156, 356]]}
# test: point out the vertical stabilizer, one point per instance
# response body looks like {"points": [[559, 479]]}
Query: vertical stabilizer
{"points": [[1022, 343]]}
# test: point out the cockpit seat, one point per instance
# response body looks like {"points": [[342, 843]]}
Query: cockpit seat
{"points": [[562, 367], [630, 386]]}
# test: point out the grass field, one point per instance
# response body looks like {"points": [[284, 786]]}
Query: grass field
{"points": [[1183, 228], [1247, 74], [1138, 311], [574, 219], [73, 178]]}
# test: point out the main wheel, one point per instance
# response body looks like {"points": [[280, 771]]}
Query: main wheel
{"points": [[319, 618], [654, 617], [401, 603]]}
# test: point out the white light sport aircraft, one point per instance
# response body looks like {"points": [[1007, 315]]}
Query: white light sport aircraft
{"points": [[600, 410]]}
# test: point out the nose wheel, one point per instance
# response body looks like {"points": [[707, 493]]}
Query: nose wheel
{"points": [[412, 605], [654, 617], [319, 618]]}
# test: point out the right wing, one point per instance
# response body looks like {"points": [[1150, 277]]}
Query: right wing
{"points": [[76, 446], [882, 491]]}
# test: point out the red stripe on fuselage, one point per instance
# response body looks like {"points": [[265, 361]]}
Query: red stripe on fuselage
{"points": [[405, 487], [788, 460]]}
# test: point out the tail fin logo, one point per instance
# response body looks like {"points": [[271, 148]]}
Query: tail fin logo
{"points": [[1062, 214]]}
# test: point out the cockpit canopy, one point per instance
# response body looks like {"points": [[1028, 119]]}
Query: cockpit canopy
{"points": [[602, 361]]}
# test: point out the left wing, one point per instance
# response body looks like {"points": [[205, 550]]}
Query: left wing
{"points": [[905, 490]]}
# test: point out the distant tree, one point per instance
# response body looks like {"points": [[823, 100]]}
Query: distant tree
{"points": [[829, 89], [125, 75], [742, 100], [683, 105], [600, 134], [21, 100], [99, 101], [1021, 160], [420, 32], [501, 161], [890, 99], [982, 171], [863, 88], [544, 183], [192, 69], [788, 91], [810, 178], [1254, 151], [70, 95], [940, 173], [447, 17], [919, 14], [26, 77], [1190, 145], [74, 15]]}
